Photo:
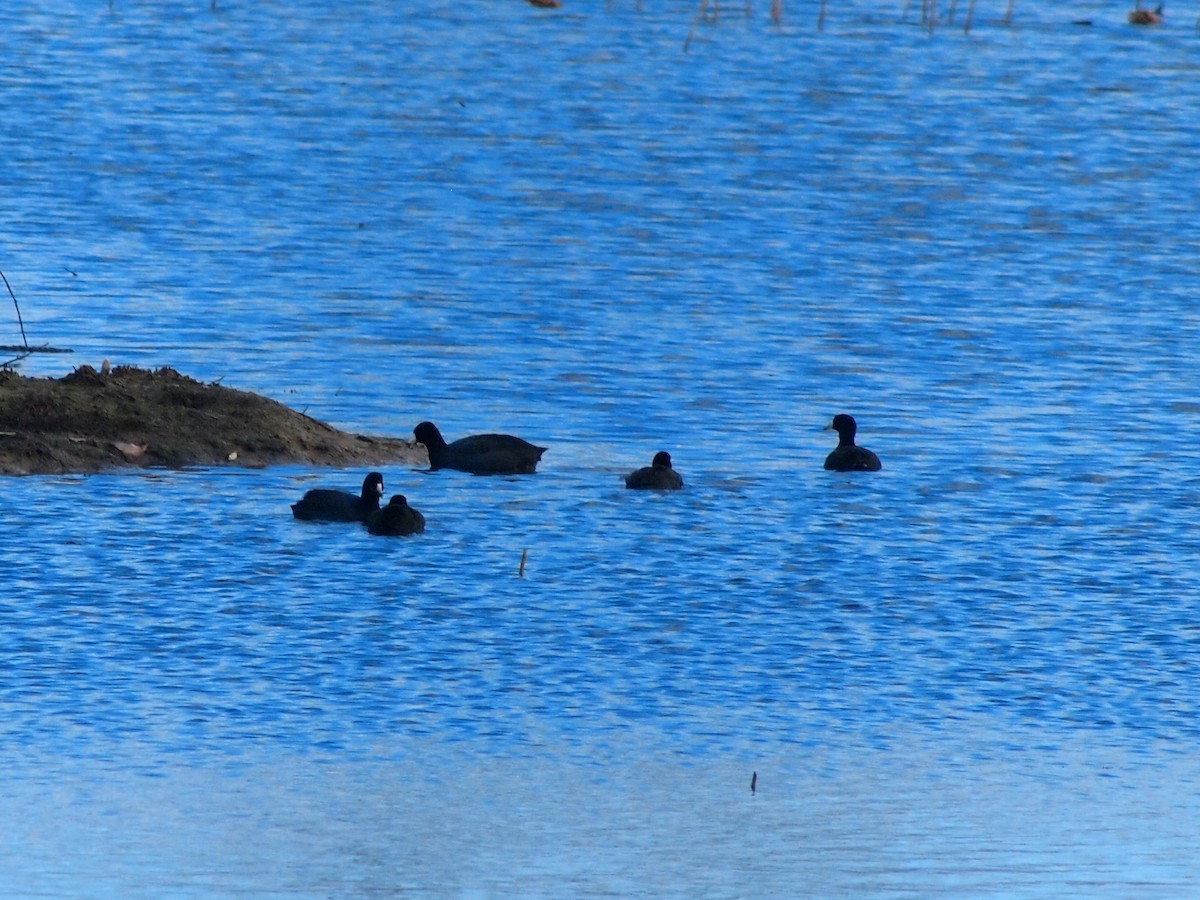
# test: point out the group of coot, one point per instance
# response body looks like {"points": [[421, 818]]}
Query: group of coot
{"points": [[504, 454], [324, 505]]}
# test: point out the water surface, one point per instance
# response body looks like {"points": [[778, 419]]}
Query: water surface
{"points": [[968, 674]]}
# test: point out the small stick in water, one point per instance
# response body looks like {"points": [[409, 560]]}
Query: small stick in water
{"points": [[521, 568], [753, 782]]}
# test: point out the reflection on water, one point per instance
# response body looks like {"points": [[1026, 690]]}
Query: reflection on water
{"points": [[969, 673], [922, 818]]}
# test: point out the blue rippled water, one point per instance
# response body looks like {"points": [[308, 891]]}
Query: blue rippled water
{"points": [[972, 673]]}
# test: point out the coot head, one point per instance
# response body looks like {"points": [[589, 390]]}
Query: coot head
{"points": [[372, 488], [427, 433], [845, 426]]}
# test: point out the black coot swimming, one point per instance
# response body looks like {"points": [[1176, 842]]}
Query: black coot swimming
{"points": [[848, 456], [479, 454], [397, 518], [658, 476], [324, 505]]}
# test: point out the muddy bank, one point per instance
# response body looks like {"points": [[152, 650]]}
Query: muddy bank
{"points": [[90, 421]]}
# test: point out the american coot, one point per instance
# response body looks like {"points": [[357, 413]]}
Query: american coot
{"points": [[658, 476], [397, 518], [479, 454], [325, 505], [849, 457]]}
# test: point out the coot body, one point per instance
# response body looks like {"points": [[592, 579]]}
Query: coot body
{"points": [[658, 476], [397, 518], [324, 505], [479, 454], [848, 456]]}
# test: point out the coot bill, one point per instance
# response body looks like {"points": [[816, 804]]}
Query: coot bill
{"points": [[397, 518], [658, 476], [324, 505], [479, 454], [849, 457]]}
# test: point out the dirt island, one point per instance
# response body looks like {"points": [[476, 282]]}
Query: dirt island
{"points": [[126, 417]]}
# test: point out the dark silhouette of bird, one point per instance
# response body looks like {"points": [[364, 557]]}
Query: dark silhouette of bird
{"points": [[848, 456], [479, 454], [397, 518], [658, 476], [324, 505]]}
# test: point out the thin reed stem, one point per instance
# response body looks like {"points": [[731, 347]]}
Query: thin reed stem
{"points": [[17, 306]]}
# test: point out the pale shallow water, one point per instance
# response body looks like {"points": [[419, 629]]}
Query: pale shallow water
{"points": [[970, 674]]}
